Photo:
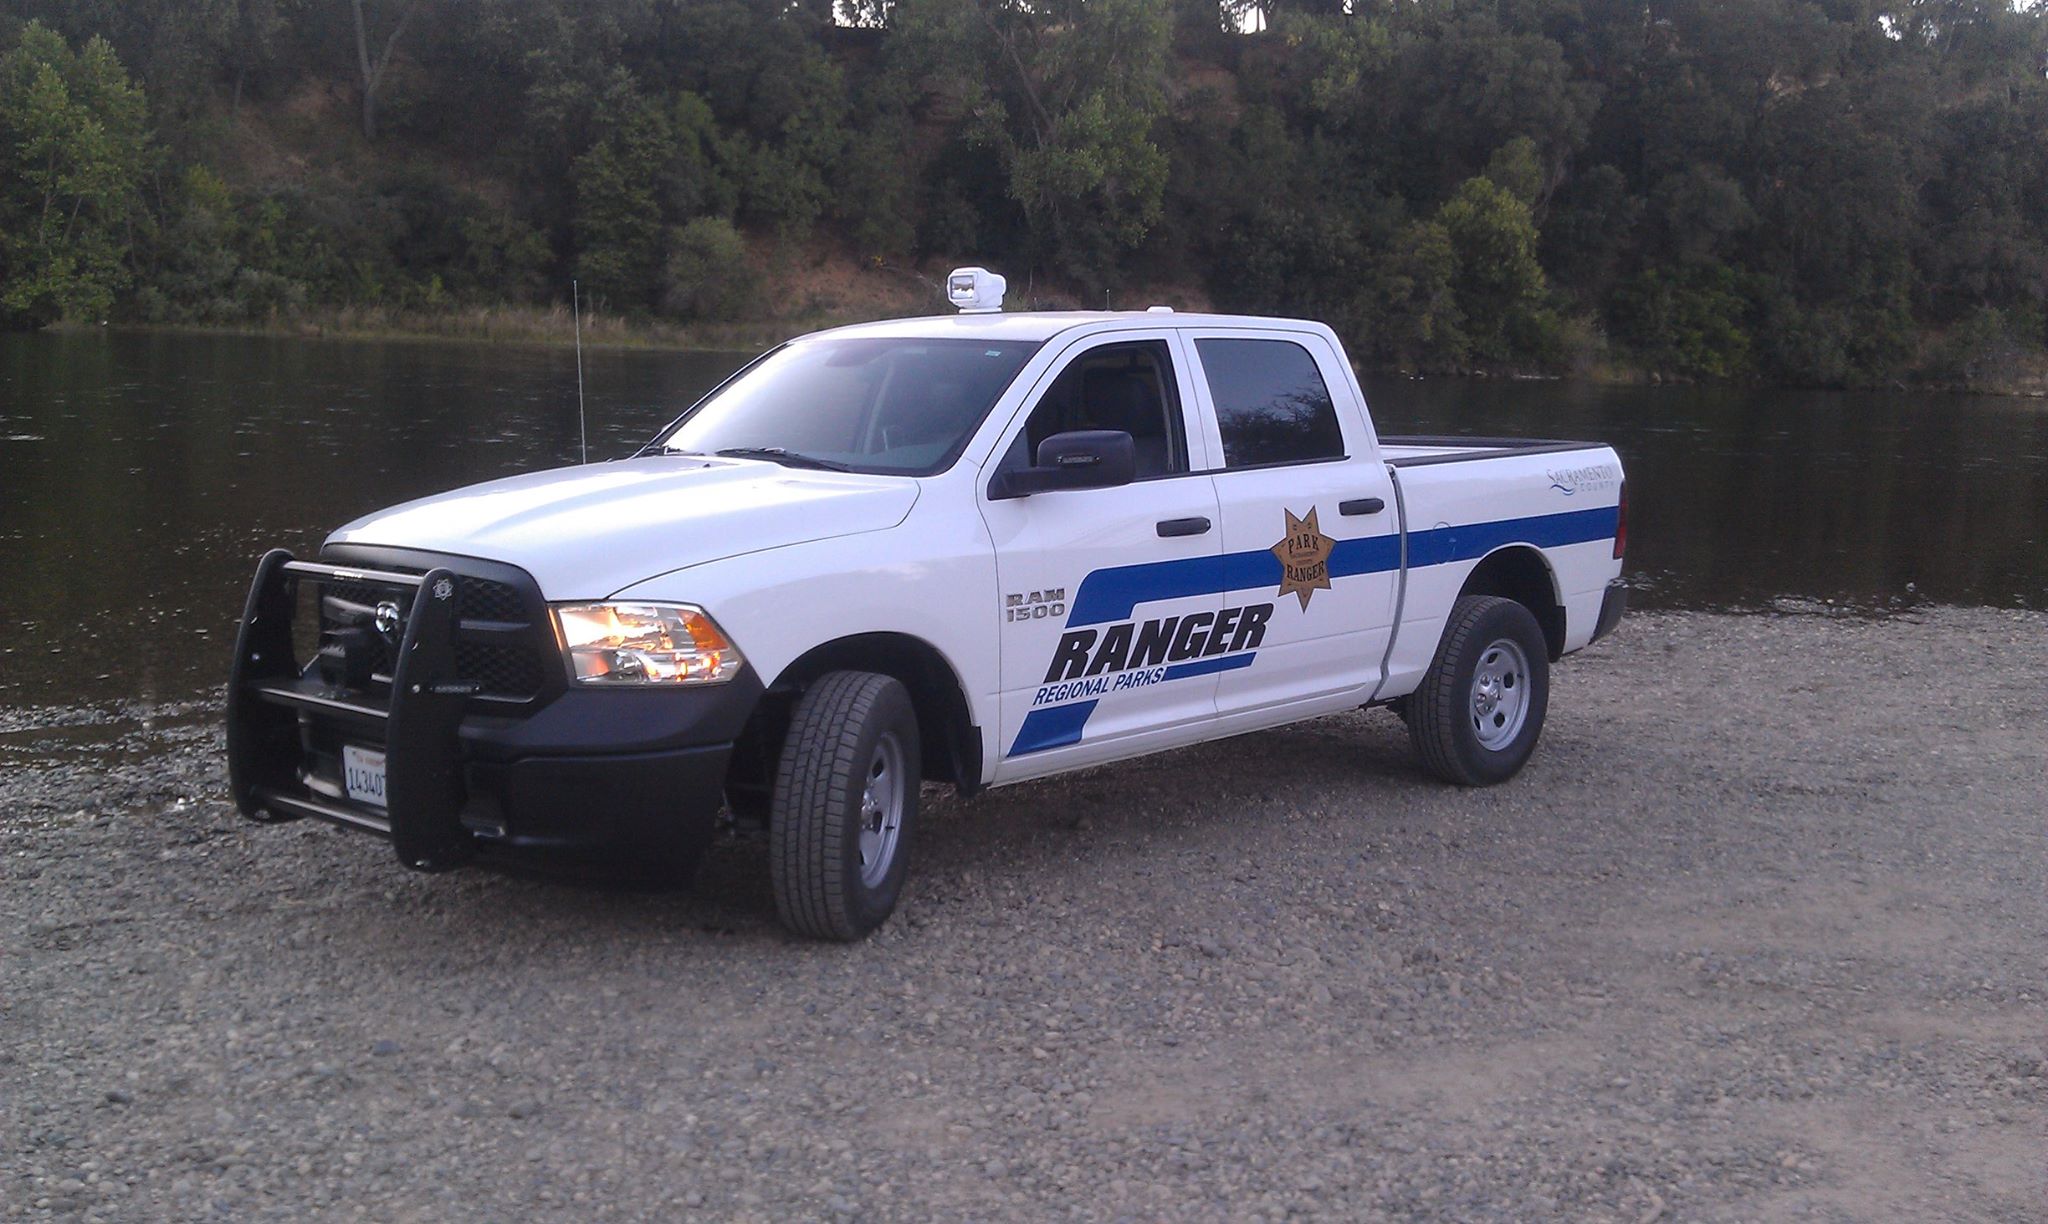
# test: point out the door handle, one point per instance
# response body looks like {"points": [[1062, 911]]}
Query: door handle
{"points": [[1192, 526], [1361, 505]]}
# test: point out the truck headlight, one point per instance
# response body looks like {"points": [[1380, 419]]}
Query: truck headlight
{"points": [[644, 643]]}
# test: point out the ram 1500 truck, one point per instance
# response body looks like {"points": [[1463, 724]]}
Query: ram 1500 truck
{"points": [[973, 549]]}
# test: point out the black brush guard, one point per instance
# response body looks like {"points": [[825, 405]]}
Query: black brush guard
{"points": [[269, 692]]}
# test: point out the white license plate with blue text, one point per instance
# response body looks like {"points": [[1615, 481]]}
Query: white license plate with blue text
{"points": [[362, 773]]}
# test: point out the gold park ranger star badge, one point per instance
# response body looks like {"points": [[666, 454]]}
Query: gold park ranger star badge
{"points": [[1304, 557]]}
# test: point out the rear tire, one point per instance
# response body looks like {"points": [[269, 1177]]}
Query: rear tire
{"points": [[1480, 709], [844, 806]]}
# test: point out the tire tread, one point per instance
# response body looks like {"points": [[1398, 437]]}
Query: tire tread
{"points": [[1434, 709], [806, 828]]}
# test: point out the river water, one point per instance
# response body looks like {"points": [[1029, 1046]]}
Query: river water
{"points": [[141, 475]]}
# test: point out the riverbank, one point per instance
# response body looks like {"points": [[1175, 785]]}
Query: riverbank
{"points": [[551, 327], [554, 327], [816, 293], [1758, 940]]}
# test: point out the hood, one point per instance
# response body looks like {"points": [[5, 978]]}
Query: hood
{"points": [[586, 532]]}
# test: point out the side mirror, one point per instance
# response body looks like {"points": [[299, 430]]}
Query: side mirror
{"points": [[1081, 459]]}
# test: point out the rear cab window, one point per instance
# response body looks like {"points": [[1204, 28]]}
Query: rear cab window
{"points": [[1272, 403]]}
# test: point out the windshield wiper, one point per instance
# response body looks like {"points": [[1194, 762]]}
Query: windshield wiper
{"points": [[788, 458]]}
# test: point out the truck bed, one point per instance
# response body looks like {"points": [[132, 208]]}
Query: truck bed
{"points": [[1418, 450]]}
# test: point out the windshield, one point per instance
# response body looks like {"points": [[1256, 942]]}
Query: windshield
{"points": [[886, 405]]}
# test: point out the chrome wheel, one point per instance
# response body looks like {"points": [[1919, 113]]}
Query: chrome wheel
{"points": [[881, 810], [1479, 710], [1500, 694]]}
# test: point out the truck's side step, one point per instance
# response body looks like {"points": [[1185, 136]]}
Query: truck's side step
{"points": [[307, 805]]}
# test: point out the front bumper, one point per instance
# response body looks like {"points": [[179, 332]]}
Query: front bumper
{"points": [[573, 778], [650, 812]]}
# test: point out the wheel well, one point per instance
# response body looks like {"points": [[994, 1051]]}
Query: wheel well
{"points": [[1521, 574], [952, 743]]}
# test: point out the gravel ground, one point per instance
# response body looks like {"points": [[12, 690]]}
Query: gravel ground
{"points": [[1758, 935]]}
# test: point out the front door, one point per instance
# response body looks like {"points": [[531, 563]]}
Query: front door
{"points": [[1106, 625]]}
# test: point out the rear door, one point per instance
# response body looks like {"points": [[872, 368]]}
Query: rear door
{"points": [[1309, 522], [1103, 634]]}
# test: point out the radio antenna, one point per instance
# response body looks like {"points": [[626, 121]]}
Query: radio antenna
{"points": [[576, 315]]}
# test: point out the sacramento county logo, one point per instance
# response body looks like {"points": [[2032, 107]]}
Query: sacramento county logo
{"points": [[1304, 557]]}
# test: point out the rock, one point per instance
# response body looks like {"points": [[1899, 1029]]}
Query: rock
{"points": [[1052, 1043]]}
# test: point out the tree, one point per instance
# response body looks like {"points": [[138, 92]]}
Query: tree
{"points": [[1826, 191], [1065, 93], [195, 261], [1692, 319], [620, 229], [707, 275], [74, 146], [653, 172], [1464, 85], [183, 53], [257, 26], [1421, 324], [1516, 167], [1499, 283], [372, 71], [1590, 231]]}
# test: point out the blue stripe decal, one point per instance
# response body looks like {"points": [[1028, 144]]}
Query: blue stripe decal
{"points": [[1108, 595], [1365, 555], [1058, 726], [1111, 594], [1468, 543], [1209, 667], [1052, 727]]}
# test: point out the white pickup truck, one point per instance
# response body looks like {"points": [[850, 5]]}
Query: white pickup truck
{"points": [[972, 549]]}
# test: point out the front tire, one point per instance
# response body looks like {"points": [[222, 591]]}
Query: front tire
{"points": [[1480, 709], [844, 806]]}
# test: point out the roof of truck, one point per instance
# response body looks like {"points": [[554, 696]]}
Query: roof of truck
{"points": [[1045, 324]]}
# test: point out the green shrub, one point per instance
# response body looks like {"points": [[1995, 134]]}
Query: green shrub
{"points": [[1690, 320], [196, 263], [707, 276], [1419, 323], [1498, 282], [620, 231]]}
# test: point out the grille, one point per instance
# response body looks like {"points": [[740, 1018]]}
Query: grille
{"points": [[482, 599], [502, 670]]}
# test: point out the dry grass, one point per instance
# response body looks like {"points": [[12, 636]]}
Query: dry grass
{"points": [[550, 325], [801, 289]]}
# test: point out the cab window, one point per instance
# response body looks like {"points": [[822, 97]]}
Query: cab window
{"points": [[1272, 405], [881, 404], [1127, 387]]}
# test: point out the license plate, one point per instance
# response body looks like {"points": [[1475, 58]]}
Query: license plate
{"points": [[362, 773]]}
